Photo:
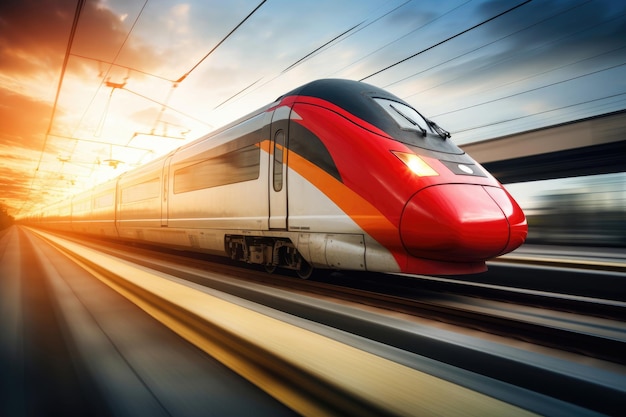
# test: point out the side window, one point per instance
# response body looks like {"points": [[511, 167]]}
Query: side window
{"points": [[236, 166], [279, 148], [105, 200], [142, 191]]}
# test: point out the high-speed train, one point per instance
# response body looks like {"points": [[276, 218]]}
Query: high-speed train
{"points": [[335, 174]]}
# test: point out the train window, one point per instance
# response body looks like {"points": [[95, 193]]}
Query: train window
{"points": [[404, 115], [81, 206], [232, 167], [142, 191], [104, 201], [279, 146]]}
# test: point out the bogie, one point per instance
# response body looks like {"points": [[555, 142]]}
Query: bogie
{"points": [[269, 252]]}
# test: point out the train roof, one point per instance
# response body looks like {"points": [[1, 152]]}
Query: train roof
{"points": [[358, 99], [353, 96]]}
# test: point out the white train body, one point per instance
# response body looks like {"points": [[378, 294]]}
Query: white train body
{"points": [[302, 183]]}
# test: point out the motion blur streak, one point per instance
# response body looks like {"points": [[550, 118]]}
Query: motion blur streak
{"points": [[310, 373], [595, 204]]}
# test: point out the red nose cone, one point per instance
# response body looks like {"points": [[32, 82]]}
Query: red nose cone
{"points": [[460, 222], [518, 228]]}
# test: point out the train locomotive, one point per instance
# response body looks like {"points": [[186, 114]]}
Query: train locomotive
{"points": [[336, 174]]}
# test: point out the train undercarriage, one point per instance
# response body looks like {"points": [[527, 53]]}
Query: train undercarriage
{"points": [[270, 252]]}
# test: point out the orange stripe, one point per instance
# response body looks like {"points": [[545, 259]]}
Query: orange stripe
{"points": [[361, 211], [265, 145], [367, 216]]}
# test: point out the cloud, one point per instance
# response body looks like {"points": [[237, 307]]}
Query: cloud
{"points": [[34, 37], [526, 47], [30, 39], [106, 35], [24, 123], [23, 120], [177, 20], [560, 29], [14, 183], [33, 42]]}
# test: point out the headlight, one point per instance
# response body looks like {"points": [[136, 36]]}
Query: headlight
{"points": [[416, 164]]}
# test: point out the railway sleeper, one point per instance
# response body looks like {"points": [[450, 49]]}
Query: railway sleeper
{"points": [[269, 252]]}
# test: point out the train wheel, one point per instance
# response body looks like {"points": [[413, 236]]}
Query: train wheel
{"points": [[270, 269], [305, 271]]}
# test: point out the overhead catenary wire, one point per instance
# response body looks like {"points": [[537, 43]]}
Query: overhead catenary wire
{"points": [[551, 70], [484, 46], [176, 82], [104, 80], [320, 48], [99, 142], [290, 67], [360, 26], [66, 58], [80, 5], [68, 48], [237, 93], [112, 63], [530, 90], [168, 107], [403, 36], [526, 116], [185, 75], [126, 67], [445, 40], [333, 42], [560, 67]]}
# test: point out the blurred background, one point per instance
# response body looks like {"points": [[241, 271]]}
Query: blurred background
{"points": [[588, 210]]}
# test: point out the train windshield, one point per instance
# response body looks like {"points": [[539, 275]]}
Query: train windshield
{"points": [[413, 129], [404, 115]]}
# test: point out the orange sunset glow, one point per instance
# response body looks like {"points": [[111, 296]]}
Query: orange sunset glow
{"points": [[89, 92]]}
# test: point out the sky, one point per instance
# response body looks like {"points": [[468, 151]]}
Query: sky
{"points": [[135, 79]]}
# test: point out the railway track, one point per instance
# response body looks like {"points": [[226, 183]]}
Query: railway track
{"points": [[388, 310], [72, 346], [590, 326]]}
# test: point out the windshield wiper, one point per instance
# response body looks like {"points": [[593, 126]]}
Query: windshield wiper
{"points": [[413, 122], [441, 132]]}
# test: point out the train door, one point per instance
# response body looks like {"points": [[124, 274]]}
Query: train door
{"points": [[279, 134], [165, 184]]}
